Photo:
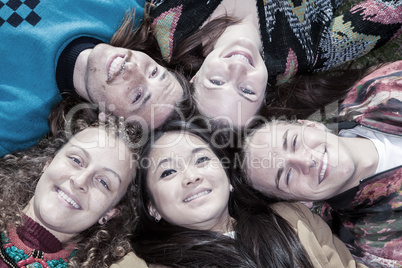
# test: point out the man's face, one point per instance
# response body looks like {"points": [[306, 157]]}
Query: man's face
{"points": [[299, 162], [131, 84]]}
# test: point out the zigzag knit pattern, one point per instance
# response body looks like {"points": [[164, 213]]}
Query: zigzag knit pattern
{"points": [[299, 36]]}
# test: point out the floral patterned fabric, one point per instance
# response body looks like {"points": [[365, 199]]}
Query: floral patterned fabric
{"points": [[368, 218]]}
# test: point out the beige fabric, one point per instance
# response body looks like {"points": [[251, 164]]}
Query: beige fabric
{"points": [[323, 248], [130, 261]]}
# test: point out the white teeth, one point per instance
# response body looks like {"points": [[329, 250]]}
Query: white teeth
{"points": [[197, 195], [117, 65], [324, 166], [242, 57], [68, 199]]}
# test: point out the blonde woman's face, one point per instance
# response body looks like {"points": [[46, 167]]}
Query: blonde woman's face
{"points": [[82, 184]]}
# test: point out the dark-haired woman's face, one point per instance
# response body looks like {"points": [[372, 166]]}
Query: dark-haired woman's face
{"points": [[189, 186], [231, 82]]}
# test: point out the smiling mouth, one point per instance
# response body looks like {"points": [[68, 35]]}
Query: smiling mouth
{"points": [[188, 199], [241, 56], [324, 167], [68, 199], [116, 67]]}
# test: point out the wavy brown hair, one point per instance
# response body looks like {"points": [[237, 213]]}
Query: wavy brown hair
{"points": [[98, 246]]}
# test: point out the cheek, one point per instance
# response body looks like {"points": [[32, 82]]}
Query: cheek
{"points": [[164, 195]]}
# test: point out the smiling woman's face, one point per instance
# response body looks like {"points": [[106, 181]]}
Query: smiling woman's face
{"points": [[188, 183], [82, 184], [231, 83], [131, 84]]}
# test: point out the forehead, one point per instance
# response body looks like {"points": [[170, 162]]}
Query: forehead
{"points": [[177, 142], [269, 134], [225, 105], [98, 143]]}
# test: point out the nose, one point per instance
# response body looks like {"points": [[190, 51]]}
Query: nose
{"points": [[80, 181], [237, 70], [301, 162], [192, 180], [134, 72]]}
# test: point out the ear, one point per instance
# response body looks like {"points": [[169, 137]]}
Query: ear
{"points": [[313, 124], [308, 204], [109, 215], [231, 189], [192, 80], [154, 212]]}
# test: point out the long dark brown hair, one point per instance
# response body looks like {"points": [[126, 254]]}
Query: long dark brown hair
{"points": [[263, 238], [301, 96]]}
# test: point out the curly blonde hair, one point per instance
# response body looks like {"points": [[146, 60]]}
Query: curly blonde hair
{"points": [[98, 246]]}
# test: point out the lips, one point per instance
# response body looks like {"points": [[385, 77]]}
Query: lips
{"points": [[68, 199], [197, 195], [324, 166], [116, 66], [241, 56]]}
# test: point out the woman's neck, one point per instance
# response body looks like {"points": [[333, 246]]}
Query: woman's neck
{"points": [[236, 8], [247, 28]]}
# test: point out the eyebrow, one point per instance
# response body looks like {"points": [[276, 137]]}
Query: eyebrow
{"points": [[285, 140], [144, 102], [113, 172], [104, 168], [163, 75], [278, 176], [169, 159], [82, 149], [285, 147]]}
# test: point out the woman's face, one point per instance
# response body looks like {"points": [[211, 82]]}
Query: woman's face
{"points": [[188, 183], [82, 184], [299, 162], [231, 82]]}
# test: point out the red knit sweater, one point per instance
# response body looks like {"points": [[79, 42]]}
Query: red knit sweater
{"points": [[37, 237]]}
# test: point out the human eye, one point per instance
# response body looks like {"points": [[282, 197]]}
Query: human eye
{"points": [[167, 172], [202, 160], [154, 72], [216, 82], [76, 160], [103, 183], [247, 91], [288, 176]]}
